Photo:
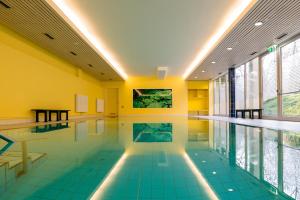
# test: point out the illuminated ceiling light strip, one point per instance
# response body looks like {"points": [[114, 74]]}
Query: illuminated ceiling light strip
{"points": [[200, 177], [229, 22], [105, 183], [74, 19]]}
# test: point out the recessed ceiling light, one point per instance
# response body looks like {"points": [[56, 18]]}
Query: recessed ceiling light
{"points": [[229, 48], [204, 161], [214, 173], [258, 23], [230, 190], [203, 71], [196, 77], [213, 62]]}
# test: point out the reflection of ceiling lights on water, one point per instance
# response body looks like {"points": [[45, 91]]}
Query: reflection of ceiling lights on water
{"points": [[200, 178], [106, 182]]}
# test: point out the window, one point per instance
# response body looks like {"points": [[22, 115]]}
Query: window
{"points": [[223, 102], [216, 97], [221, 105], [269, 84], [239, 87], [252, 90], [290, 55]]}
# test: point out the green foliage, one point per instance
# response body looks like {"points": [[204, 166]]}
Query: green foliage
{"points": [[153, 98], [290, 102], [270, 107]]}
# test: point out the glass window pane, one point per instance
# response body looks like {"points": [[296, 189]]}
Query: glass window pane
{"points": [[252, 91], [269, 85], [227, 95], [291, 79], [239, 87], [223, 102], [216, 97]]}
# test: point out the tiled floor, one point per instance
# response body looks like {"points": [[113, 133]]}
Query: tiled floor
{"points": [[155, 176]]}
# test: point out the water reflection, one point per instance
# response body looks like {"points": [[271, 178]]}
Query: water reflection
{"points": [[49, 127], [231, 161], [271, 156]]}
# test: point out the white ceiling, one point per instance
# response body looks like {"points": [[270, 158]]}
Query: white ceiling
{"points": [[144, 34]]}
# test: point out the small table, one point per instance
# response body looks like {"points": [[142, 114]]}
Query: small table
{"points": [[250, 111], [259, 111]]}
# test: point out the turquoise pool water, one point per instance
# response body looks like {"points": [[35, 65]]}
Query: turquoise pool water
{"points": [[149, 158]]}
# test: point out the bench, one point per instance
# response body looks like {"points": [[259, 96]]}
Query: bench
{"points": [[251, 113], [48, 112]]}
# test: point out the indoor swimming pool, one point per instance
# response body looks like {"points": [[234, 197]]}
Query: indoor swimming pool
{"points": [[149, 158]]}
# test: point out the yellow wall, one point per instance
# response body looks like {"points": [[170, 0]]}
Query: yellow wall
{"points": [[177, 84], [198, 97], [31, 77]]}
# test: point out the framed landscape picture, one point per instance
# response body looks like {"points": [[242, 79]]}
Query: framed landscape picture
{"points": [[152, 98]]}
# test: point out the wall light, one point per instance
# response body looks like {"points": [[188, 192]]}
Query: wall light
{"points": [[73, 18], [228, 22]]}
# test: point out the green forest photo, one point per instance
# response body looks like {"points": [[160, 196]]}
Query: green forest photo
{"points": [[152, 98]]}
